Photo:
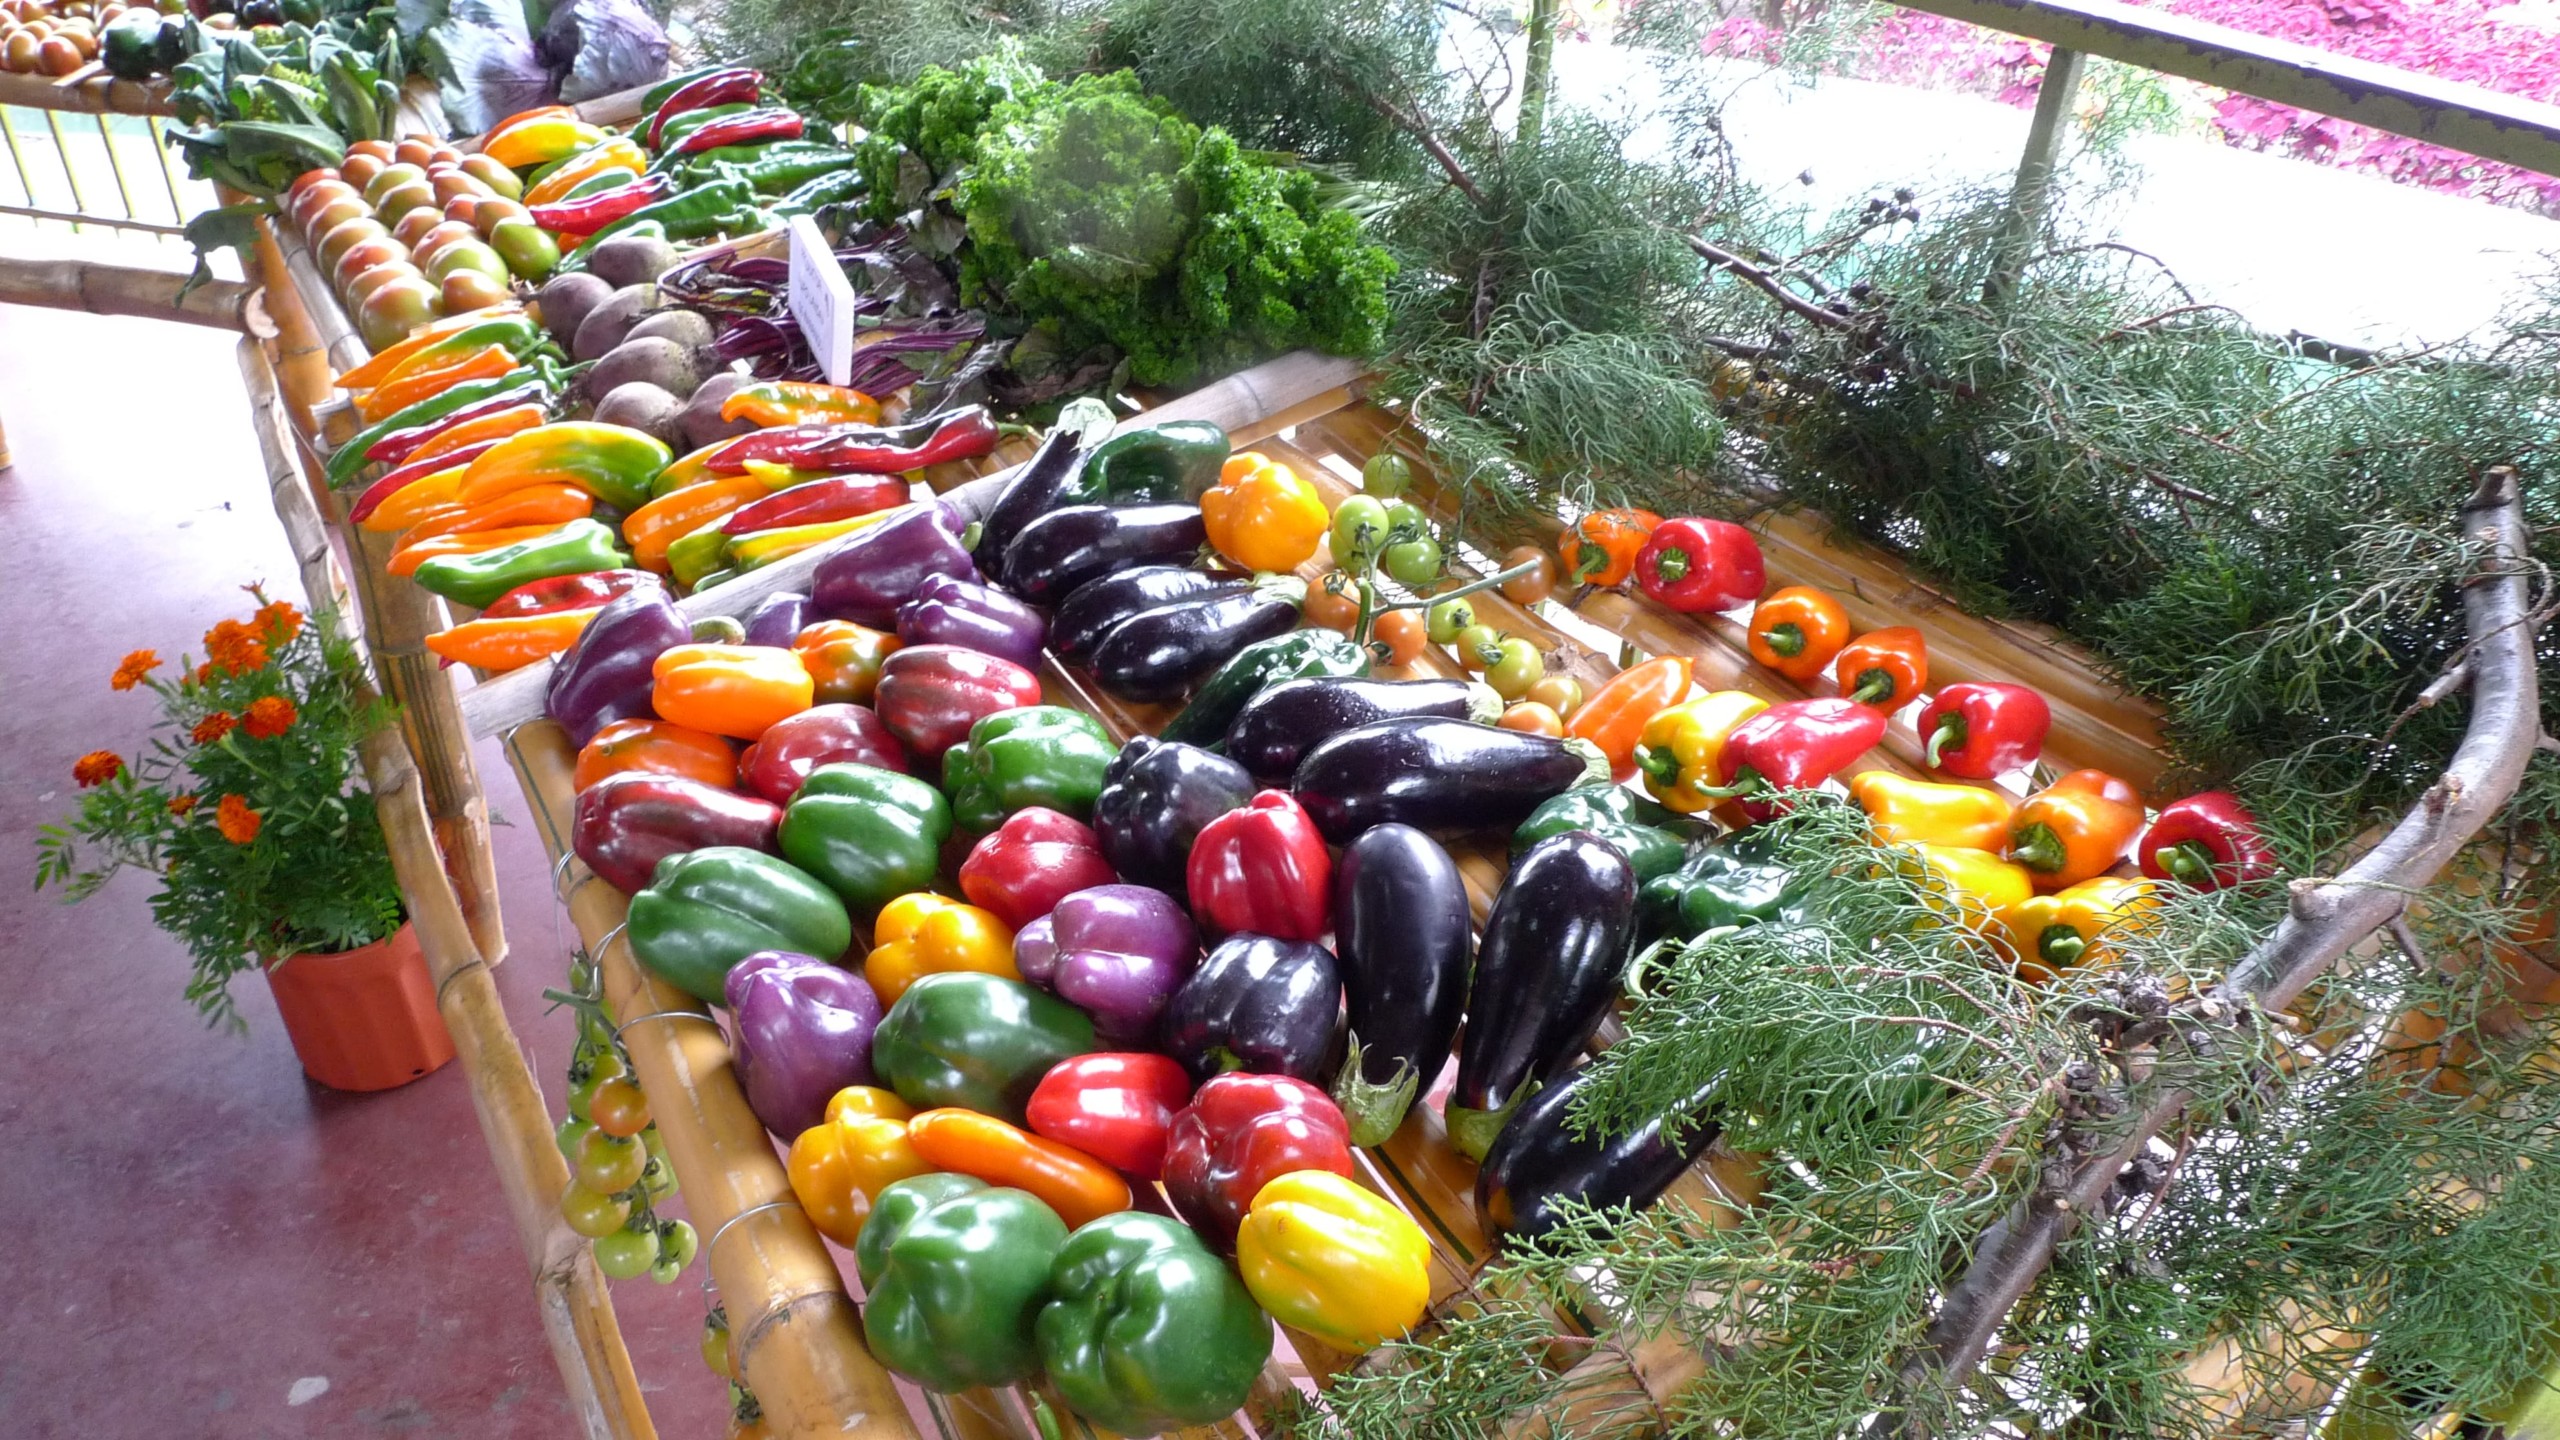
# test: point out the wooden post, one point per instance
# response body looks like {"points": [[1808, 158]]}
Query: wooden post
{"points": [[2033, 188]]}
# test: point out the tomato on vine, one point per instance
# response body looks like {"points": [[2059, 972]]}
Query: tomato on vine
{"points": [[1517, 667], [1537, 584], [1414, 564], [1403, 633], [623, 1254], [1477, 646], [1331, 607], [1448, 617], [1359, 531], [592, 1215], [569, 1133], [715, 1344], [610, 1164], [1560, 693], [1386, 475], [618, 1108]]}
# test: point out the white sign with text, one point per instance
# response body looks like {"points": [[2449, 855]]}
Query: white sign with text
{"points": [[821, 300]]}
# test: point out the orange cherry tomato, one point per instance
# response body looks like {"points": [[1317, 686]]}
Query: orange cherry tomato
{"points": [[1535, 586], [657, 748], [1531, 718], [618, 1108], [1404, 635], [1331, 608], [1560, 693]]}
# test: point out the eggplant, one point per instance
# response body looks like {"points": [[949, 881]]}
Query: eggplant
{"points": [[1437, 774], [1538, 1160], [1257, 1004], [1034, 492], [1277, 727], [1155, 797], [1403, 936], [1555, 947], [1065, 548], [1158, 654], [1097, 607]]}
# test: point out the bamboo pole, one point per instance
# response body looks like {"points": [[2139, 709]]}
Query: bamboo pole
{"points": [[124, 290]]}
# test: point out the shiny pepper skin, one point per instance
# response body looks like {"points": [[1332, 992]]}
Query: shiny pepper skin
{"points": [[1115, 1106], [1241, 1132], [1977, 730], [1080, 1188], [1036, 858], [2076, 828], [1797, 630], [1263, 869], [734, 690], [1328, 1257], [925, 934], [1616, 714], [841, 1165], [1681, 752], [1262, 515], [1969, 817], [2074, 927]]}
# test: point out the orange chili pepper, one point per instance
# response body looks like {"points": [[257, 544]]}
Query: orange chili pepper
{"points": [[844, 659], [415, 501], [800, 402], [617, 153], [1077, 1186], [1614, 717], [1600, 548], [691, 468], [1797, 630], [549, 504], [369, 374], [2076, 828], [406, 560], [657, 748], [1531, 718], [840, 1165], [735, 690], [402, 391], [505, 644], [496, 425], [1885, 669], [678, 513]]}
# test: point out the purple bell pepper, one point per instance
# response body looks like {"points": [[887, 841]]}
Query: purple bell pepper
{"points": [[800, 1030], [1118, 952], [976, 617], [606, 676], [878, 570], [778, 620]]}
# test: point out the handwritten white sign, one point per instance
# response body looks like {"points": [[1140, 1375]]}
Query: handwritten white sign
{"points": [[821, 300]]}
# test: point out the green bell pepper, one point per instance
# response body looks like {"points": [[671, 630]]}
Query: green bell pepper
{"points": [[1653, 838], [1177, 460], [954, 1273], [1300, 654], [1045, 755], [1146, 1330], [705, 910], [1722, 883], [977, 1041], [577, 548], [871, 834]]}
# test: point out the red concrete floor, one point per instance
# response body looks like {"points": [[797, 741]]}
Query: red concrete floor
{"points": [[200, 1244]]}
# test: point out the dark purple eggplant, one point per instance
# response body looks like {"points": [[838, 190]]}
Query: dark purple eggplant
{"points": [[1257, 1004], [1401, 925], [1098, 606], [1282, 722], [1035, 492], [1437, 774], [778, 619], [1555, 947], [1159, 654], [1538, 1160], [1155, 797], [1065, 548]]}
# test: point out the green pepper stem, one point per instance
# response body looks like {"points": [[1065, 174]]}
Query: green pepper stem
{"points": [[1746, 781], [1671, 566], [1873, 685], [2037, 847], [1784, 639], [2061, 946], [1949, 731], [1660, 765], [2189, 863]]}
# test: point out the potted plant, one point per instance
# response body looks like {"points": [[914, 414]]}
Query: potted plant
{"points": [[250, 806]]}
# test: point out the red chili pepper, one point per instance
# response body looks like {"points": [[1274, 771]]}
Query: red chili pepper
{"points": [[590, 213], [1693, 565], [395, 447], [746, 128], [737, 84], [1794, 746], [398, 480], [1116, 1107], [2208, 840], [1024, 867], [864, 449], [1240, 1133], [838, 497], [1263, 869], [1977, 729], [1883, 668], [568, 592]]}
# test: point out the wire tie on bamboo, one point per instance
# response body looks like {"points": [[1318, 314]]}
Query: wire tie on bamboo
{"points": [[713, 1243], [560, 872], [605, 941], [700, 1015]]}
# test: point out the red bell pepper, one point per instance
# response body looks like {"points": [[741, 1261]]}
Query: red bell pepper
{"points": [[782, 757], [1240, 1133], [1693, 565], [864, 449], [1794, 746], [1116, 1107], [735, 85], [398, 480], [625, 824], [2208, 840], [838, 497], [932, 694], [748, 127], [589, 213], [395, 447], [584, 591], [1980, 729], [1263, 870], [1036, 858]]}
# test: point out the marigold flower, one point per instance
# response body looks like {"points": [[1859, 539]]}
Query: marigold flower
{"points": [[133, 667], [268, 717], [204, 672], [181, 804], [237, 822], [212, 727], [278, 621], [97, 768], [235, 647]]}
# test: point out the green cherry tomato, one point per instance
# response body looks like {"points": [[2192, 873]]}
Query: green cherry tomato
{"points": [[592, 1215], [715, 1343], [582, 1095], [1519, 667], [678, 1241], [1359, 531], [1387, 475], [1448, 618], [658, 1178], [625, 1253], [1477, 647], [665, 1271], [1405, 521], [610, 1164], [1415, 564], [571, 1131]]}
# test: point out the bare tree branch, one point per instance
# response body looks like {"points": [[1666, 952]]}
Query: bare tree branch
{"points": [[1776, 290]]}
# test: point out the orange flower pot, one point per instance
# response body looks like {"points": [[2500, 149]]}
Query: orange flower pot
{"points": [[363, 1019]]}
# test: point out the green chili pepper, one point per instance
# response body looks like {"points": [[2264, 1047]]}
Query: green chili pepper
{"points": [[475, 580], [688, 215], [954, 1274], [1300, 654], [830, 189], [705, 910], [1654, 839], [871, 834], [1176, 460], [347, 459], [778, 173], [1044, 755]]}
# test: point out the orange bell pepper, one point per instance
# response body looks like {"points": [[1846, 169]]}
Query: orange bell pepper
{"points": [[838, 1167], [415, 501], [406, 560], [1600, 548], [1264, 518], [619, 152], [535, 504], [371, 372], [2075, 829], [1884, 669], [734, 690], [1080, 1188], [496, 425], [844, 659], [657, 748], [1797, 631], [500, 645], [404, 389], [653, 527], [799, 402], [1614, 717], [926, 934]]}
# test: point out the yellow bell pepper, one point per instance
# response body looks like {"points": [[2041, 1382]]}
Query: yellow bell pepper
{"points": [[1328, 1257], [1265, 517], [2056, 932], [926, 934], [617, 152], [839, 1166], [1679, 748], [1900, 809], [1979, 888], [538, 137]]}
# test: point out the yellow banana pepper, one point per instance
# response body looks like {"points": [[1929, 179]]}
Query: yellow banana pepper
{"points": [[1266, 518], [2070, 927], [1328, 1257], [763, 547], [617, 152], [1679, 749], [416, 500], [538, 137], [614, 463], [839, 1166], [1900, 809], [926, 934], [1979, 888]]}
